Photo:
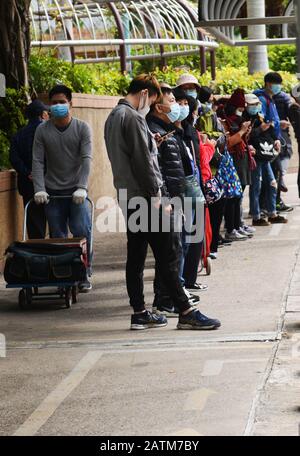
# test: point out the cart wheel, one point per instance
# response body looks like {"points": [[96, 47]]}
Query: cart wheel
{"points": [[208, 266], [68, 297], [28, 293], [74, 294], [22, 299], [61, 292]]}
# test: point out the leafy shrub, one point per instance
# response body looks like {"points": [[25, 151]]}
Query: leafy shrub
{"points": [[11, 119], [46, 71], [283, 58]]}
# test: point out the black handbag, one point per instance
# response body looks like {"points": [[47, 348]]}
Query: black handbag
{"points": [[43, 263]]}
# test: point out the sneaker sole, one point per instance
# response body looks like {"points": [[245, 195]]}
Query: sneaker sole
{"points": [[278, 223], [165, 313], [198, 289], [85, 290], [136, 327], [198, 328]]}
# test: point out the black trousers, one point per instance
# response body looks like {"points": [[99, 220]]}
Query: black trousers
{"points": [[165, 250], [36, 219], [278, 173], [233, 214], [216, 212]]}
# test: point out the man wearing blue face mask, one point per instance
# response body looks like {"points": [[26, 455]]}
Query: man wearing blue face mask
{"points": [[262, 138], [273, 86], [161, 121], [64, 143], [267, 96]]}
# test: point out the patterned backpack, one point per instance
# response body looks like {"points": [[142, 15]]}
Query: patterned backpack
{"points": [[228, 177]]}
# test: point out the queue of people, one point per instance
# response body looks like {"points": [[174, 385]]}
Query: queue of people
{"points": [[183, 158]]}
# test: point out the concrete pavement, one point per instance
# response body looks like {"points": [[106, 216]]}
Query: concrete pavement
{"points": [[82, 372]]}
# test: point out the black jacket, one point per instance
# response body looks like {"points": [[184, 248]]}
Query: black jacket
{"points": [[294, 116], [169, 157], [21, 156], [257, 135]]}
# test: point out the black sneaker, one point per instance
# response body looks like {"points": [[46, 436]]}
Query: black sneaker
{"points": [[164, 306], [147, 320], [85, 287], [196, 286], [222, 241], [196, 320], [192, 297], [169, 312], [281, 207]]}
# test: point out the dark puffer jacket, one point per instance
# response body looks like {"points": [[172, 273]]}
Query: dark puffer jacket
{"points": [[169, 157]]}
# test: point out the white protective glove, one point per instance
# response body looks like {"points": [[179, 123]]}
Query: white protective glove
{"points": [[41, 198], [79, 196]]}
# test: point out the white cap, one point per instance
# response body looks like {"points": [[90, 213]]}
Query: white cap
{"points": [[251, 99], [164, 85], [187, 79]]}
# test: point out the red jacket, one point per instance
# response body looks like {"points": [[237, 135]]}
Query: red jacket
{"points": [[206, 152]]}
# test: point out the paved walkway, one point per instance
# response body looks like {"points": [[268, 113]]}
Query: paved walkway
{"points": [[82, 372]]}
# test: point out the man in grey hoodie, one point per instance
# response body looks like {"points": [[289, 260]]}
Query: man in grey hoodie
{"points": [[132, 151]]}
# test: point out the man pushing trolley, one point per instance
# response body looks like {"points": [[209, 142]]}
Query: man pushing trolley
{"points": [[62, 154]]}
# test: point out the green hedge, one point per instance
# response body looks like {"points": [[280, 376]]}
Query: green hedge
{"points": [[11, 120], [100, 79], [281, 58]]}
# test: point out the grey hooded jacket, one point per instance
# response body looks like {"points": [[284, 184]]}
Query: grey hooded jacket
{"points": [[132, 152]]}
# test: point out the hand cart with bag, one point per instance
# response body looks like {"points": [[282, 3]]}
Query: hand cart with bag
{"points": [[32, 265]]}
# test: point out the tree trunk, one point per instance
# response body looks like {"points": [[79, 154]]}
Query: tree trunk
{"points": [[14, 41]]}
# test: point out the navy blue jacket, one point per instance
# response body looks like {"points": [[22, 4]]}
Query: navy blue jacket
{"points": [[283, 102], [21, 156]]}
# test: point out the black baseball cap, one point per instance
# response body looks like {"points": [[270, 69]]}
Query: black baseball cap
{"points": [[35, 109]]}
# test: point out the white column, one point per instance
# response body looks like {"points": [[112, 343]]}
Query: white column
{"points": [[257, 55]]}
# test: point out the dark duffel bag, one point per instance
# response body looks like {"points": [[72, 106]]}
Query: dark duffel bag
{"points": [[43, 263]]}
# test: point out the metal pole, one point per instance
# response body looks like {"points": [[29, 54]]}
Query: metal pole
{"points": [[213, 65], [121, 33], [203, 67], [297, 13]]}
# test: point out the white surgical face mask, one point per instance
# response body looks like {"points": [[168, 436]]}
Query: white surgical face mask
{"points": [[184, 112], [238, 113], [144, 107], [192, 93]]}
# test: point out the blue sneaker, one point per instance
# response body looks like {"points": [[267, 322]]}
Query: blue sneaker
{"points": [[196, 320], [147, 320]]}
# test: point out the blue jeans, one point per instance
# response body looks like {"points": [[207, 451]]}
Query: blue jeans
{"points": [[63, 214], [263, 172]]}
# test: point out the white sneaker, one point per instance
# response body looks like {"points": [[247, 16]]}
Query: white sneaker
{"points": [[244, 233], [235, 236], [213, 255], [249, 229]]}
